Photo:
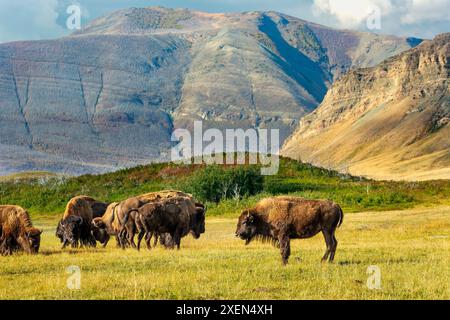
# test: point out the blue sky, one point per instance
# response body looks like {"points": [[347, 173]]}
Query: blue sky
{"points": [[44, 19]]}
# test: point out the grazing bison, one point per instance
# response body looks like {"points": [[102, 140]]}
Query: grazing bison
{"points": [[75, 226], [176, 216], [113, 222], [100, 234], [105, 226], [17, 232], [280, 219]]}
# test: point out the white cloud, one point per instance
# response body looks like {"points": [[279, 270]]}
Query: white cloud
{"points": [[29, 19], [38, 19], [351, 14], [426, 11]]}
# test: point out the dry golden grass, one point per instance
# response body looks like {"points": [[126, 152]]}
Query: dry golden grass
{"points": [[411, 248]]}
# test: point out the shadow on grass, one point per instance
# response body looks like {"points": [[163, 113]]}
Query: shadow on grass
{"points": [[349, 262], [72, 251], [379, 261]]}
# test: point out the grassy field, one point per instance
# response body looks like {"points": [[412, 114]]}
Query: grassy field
{"points": [[411, 248]]}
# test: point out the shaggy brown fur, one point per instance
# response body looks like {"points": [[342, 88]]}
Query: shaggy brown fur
{"points": [[75, 224], [98, 208], [79, 206], [105, 226], [176, 216], [17, 231], [126, 234], [279, 219], [111, 221]]}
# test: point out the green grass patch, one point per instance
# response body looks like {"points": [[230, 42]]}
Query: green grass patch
{"points": [[226, 189]]}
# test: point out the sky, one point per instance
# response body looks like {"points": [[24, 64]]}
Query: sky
{"points": [[46, 19]]}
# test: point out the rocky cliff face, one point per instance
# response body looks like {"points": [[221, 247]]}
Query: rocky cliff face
{"points": [[110, 95], [390, 121]]}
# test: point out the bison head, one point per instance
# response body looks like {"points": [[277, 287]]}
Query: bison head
{"points": [[98, 223], [99, 231], [69, 230], [198, 222], [60, 231], [34, 238], [246, 227]]}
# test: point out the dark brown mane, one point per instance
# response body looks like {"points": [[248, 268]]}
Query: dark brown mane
{"points": [[263, 234], [266, 239]]}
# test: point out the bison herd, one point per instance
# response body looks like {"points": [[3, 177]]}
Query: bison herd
{"points": [[168, 216]]}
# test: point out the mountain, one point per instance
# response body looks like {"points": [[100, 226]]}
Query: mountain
{"points": [[111, 94], [388, 122]]}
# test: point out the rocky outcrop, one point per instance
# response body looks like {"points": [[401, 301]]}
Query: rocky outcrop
{"points": [[388, 122], [110, 95]]}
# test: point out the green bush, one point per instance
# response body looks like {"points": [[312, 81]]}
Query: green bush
{"points": [[216, 183]]}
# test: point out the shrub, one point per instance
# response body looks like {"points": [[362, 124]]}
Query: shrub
{"points": [[215, 183]]}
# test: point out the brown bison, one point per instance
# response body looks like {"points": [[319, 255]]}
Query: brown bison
{"points": [[112, 220], [280, 219], [105, 226], [75, 226], [17, 232], [177, 216]]}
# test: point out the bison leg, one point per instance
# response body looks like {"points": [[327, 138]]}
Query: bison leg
{"points": [[140, 236], [176, 238], [122, 238], [106, 238], [118, 243], [92, 241], [148, 238], [155, 242], [329, 243], [5, 249], [148, 235], [285, 248], [65, 243], [131, 231], [88, 242], [141, 232], [333, 249]]}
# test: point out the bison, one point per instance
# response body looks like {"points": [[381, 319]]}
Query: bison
{"points": [[75, 226], [280, 219], [176, 216], [17, 232], [112, 220], [105, 226]]}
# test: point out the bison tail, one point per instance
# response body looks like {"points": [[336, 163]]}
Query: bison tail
{"points": [[341, 216], [113, 214]]}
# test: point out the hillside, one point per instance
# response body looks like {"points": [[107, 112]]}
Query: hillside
{"points": [[46, 195], [386, 122], [110, 95]]}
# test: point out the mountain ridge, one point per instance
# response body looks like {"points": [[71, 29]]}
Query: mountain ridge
{"points": [[386, 122], [110, 95]]}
